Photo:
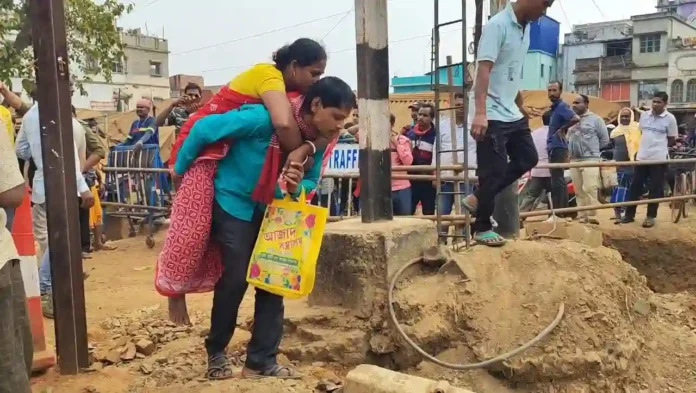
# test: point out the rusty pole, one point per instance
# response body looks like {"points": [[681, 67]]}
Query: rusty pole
{"points": [[58, 152]]}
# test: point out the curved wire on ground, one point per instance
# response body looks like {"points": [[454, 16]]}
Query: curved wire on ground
{"points": [[453, 366]]}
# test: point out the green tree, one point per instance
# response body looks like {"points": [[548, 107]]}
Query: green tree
{"points": [[94, 43]]}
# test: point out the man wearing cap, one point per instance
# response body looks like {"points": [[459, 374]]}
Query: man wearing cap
{"points": [[144, 129]]}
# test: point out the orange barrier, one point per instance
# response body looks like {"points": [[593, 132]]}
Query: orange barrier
{"points": [[23, 235]]}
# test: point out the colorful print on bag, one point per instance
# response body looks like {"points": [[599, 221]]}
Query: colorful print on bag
{"points": [[286, 252]]}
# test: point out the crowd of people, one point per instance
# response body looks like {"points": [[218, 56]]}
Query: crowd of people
{"points": [[575, 134]]}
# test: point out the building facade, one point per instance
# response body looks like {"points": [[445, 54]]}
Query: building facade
{"points": [[539, 65], [144, 73], [628, 61]]}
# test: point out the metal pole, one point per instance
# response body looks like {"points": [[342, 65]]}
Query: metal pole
{"points": [[373, 103], [436, 90], [465, 121], [58, 152]]}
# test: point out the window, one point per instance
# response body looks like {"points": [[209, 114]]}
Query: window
{"points": [[155, 68], [647, 89], [691, 90], [619, 48], [588, 90], [550, 71], [676, 94], [522, 72], [117, 67], [650, 43], [542, 70]]}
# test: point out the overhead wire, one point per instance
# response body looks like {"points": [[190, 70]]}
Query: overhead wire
{"points": [[193, 50], [336, 25], [333, 52]]}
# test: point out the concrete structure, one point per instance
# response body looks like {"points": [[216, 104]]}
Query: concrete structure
{"points": [[682, 74], [143, 74], [589, 46], [372, 379], [652, 35], [685, 9], [357, 260]]}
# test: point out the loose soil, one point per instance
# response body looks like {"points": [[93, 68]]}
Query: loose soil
{"points": [[622, 332]]}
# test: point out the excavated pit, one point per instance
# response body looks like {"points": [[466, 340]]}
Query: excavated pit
{"points": [[666, 258]]}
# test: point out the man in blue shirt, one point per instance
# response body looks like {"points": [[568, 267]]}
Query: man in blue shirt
{"points": [[500, 123], [237, 217], [562, 118]]}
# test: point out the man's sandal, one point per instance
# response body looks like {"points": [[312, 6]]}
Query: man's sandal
{"points": [[218, 368], [277, 371], [489, 238]]}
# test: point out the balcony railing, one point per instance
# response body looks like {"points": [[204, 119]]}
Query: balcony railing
{"points": [[608, 63]]}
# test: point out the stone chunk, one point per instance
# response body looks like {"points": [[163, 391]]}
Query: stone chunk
{"points": [[146, 347]]}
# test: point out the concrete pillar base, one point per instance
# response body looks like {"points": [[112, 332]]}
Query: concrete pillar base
{"points": [[373, 379], [357, 260]]}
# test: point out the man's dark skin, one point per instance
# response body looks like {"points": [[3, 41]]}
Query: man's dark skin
{"points": [[554, 91], [191, 100]]}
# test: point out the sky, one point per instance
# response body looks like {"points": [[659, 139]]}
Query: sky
{"points": [[217, 39]]}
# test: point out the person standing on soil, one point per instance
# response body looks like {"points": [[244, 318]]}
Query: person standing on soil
{"points": [[585, 140], [499, 121], [562, 118], [237, 217], [659, 132], [16, 345], [539, 183], [626, 142]]}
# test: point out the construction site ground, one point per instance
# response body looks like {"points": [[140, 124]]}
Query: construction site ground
{"points": [[625, 329]]}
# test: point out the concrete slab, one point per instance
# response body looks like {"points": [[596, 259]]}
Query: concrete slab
{"points": [[373, 379], [357, 260]]}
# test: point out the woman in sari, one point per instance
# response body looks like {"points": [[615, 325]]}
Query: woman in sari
{"points": [[191, 264], [626, 140], [237, 216]]}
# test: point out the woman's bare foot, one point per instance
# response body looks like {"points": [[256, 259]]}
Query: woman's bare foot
{"points": [[470, 203], [178, 313]]}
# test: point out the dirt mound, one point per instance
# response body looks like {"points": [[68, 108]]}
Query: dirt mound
{"points": [[616, 335]]}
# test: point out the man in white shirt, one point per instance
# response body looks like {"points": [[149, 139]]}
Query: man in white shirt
{"points": [[539, 183], [28, 147], [659, 132], [16, 345]]}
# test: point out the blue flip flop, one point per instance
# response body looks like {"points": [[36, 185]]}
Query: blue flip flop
{"points": [[490, 239]]}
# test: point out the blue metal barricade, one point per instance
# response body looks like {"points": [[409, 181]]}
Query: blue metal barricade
{"points": [[137, 187]]}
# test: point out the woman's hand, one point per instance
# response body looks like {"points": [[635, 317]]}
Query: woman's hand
{"points": [[293, 175]]}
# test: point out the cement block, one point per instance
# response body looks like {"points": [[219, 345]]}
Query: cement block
{"points": [[357, 260], [373, 379], [588, 235], [116, 228]]}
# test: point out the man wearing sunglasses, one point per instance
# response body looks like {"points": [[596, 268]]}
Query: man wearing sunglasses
{"points": [[499, 122], [179, 111]]}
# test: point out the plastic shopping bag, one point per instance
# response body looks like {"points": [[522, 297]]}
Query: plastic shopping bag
{"points": [[285, 256]]}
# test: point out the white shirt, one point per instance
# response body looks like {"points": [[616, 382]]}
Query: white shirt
{"points": [[445, 135], [10, 177], [540, 136], [28, 146], [656, 129]]}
